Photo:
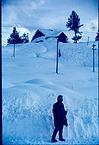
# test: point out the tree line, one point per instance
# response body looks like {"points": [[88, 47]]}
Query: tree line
{"points": [[73, 24], [15, 38]]}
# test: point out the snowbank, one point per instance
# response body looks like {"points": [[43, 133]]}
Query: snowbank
{"points": [[30, 88]]}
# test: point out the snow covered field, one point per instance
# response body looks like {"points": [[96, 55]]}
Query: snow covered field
{"points": [[30, 87]]}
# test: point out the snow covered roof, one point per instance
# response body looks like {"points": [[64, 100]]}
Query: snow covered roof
{"points": [[62, 37], [45, 32], [37, 34]]}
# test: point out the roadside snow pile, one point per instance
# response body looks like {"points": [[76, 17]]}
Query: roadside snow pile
{"points": [[30, 88], [27, 49], [79, 54], [27, 118]]}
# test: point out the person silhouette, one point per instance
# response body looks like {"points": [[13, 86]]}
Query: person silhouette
{"points": [[60, 119]]}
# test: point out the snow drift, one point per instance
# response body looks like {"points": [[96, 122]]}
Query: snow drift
{"points": [[30, 87]]}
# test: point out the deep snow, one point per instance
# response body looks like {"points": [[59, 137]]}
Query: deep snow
{"points": [[30, 87]]}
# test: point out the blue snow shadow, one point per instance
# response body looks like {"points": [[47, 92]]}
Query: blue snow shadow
{"points": [[36, 81]]}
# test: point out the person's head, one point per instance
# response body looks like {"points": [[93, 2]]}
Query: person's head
{"points": [[60, 98]]}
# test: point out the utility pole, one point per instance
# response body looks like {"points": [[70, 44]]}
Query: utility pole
{"points": [[14, 47], [88, 40], [57, 58], [93, 49], [60, 38]]}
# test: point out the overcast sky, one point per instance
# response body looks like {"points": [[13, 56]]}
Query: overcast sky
{"points": [[49, 13]]}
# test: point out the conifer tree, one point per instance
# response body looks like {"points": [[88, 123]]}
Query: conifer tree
{"points": [[25, 38], [14, 37], [74, 25]]}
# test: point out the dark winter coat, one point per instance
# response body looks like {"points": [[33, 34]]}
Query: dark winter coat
{"points": [[59, 114]]}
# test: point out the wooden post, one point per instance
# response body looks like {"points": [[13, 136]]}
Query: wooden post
{"points": [[14, 49], [93, 48], [88, 40], [57, 58]]}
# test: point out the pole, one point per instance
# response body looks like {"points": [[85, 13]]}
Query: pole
{"points": [[93, 48], [57, 58], [14, 49], [93, 59], [88, 40]]}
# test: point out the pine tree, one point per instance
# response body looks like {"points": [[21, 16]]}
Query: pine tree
{"points": [[74, 24], [25, 38], [14, 37]]}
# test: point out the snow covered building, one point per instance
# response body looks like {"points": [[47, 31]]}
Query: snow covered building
{"points": [[44, 34], [62, 37], [37, 34]]}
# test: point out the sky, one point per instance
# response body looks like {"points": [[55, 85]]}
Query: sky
{"points": [[49, 13]]}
